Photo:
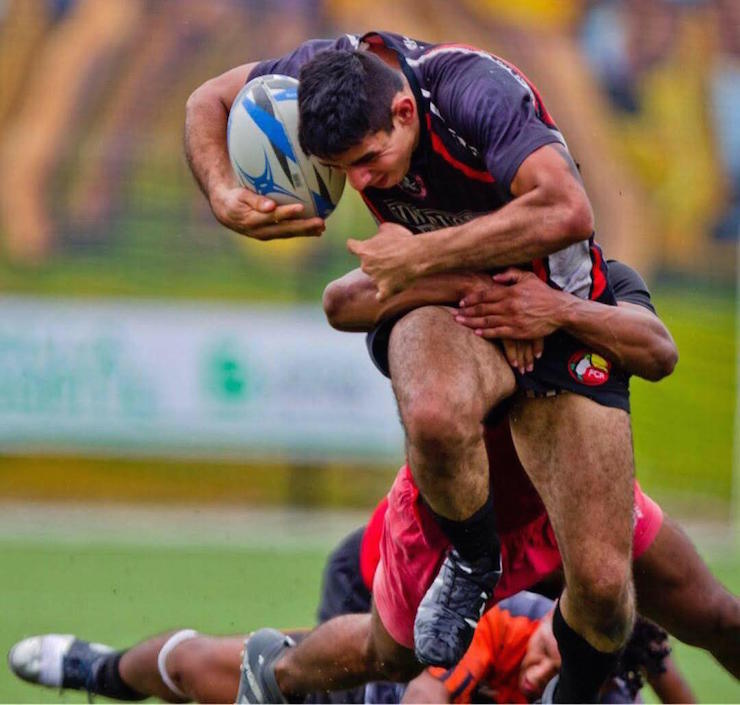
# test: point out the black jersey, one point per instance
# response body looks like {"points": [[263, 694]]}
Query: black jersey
{"points": [[480, 118]]}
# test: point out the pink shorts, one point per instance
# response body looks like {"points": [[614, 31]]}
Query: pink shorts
{"points": [[412, 547]]}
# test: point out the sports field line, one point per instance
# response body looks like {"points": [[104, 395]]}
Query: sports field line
{"points": [[184, 526]]}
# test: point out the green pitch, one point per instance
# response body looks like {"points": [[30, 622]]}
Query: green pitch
{"points": [[119, 594]]}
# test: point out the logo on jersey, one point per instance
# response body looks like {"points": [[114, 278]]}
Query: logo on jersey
{"points": [[413, 185], [589, 368], [422, 220]]}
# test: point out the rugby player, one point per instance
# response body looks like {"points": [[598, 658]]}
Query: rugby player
{"points": [[454, 145]]}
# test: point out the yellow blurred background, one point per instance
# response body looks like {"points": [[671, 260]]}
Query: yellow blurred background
{"points": [[97, 205]]}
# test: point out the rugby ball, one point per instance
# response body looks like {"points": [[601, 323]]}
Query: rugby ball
{"points": [[262, 137]]}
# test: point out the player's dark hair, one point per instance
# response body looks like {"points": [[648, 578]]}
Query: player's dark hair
{"points": [[342, 97], [643, 655]]}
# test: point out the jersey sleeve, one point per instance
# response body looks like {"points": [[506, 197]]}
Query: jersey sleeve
{"points": [[493, 107], [628, 285], [290, 64]]}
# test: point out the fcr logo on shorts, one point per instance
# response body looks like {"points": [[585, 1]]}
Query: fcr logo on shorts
{"points": [[589, 368]]}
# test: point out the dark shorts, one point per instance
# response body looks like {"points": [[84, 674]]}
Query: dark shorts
{"points": [[567, 365], [342, 592], [342, 588]]}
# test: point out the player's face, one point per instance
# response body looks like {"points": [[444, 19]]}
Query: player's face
{"points": [[382, 159], [541, 661]]}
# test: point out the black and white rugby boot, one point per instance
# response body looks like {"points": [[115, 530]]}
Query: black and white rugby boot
{"points": [[449, 611], [57, 660], [257, 682]]}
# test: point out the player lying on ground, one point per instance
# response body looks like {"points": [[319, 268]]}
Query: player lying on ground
{"points": [[454, 146], [511, 658], [514, 654]]}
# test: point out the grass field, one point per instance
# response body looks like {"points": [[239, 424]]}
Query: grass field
{"points": [[120, 591], [683, 426]]}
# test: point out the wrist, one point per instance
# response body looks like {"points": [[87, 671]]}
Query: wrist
{"points": [[428, 252], [566, 314]]}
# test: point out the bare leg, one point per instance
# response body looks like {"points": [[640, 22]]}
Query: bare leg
{"points": [[676, 589], [578, 455], [446, 379], [342, 653], [205, 669], [138, 669]]}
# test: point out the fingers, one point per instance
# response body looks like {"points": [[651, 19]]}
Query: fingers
{"points": [[480, 323], [539, 347], [311, 227], [249, 213], [354, 246], [278, 214], [510, 351], [255, 201], [482, 308], [288, 212], [511, 276], [519, 354], [384, 291], [525, 355], [490, 294]]}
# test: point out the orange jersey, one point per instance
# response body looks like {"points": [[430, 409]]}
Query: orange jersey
{"points": [[496, 652]]}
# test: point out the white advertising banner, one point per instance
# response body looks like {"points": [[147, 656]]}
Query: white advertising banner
{"points": [[142, 377]]}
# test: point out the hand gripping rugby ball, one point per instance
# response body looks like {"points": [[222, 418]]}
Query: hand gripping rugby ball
{"points": [[262, 136]]}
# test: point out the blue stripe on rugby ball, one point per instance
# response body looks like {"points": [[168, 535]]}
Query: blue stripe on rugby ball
{"points": [[285, 94], [323, 206], [264, 184], [270, 126]]}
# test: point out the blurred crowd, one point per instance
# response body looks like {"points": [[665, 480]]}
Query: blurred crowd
{"points": [[92, 94]]}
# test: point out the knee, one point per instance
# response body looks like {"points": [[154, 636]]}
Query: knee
{"points": [[724, 620], [604, 592], [435, 423], [391, 662], [184, 661]]}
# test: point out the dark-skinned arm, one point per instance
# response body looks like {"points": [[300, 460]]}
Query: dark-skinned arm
{"points": [[670, 685], [350, 302], [520, 306], [425, 688]]}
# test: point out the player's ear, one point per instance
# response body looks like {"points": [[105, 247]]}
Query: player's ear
{"points": [[403, 108]]}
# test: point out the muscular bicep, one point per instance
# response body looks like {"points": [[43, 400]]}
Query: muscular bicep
{"points": [[637, 307], [550, 166], [548, 181]]}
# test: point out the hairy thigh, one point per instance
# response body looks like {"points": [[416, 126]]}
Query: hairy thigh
{"points": [[578, 455], [432, 355]]}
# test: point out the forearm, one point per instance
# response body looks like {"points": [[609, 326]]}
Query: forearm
{"points": [[350, 303], [531, 226], [670, 686], [629, 335], [206, 117], [425, 688]]}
